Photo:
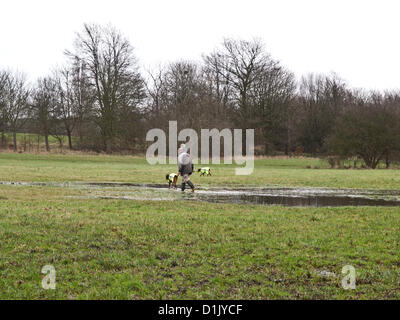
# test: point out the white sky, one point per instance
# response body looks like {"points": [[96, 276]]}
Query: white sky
{"points": [[358, 39]]}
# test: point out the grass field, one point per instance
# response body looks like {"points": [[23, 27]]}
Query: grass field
{"points": [[273, 171], [122, 249]]}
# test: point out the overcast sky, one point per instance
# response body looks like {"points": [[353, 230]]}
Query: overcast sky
{"points": [[358, 39]]}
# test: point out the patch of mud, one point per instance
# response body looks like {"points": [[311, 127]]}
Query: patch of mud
{"points": [[325, 274], [304, 197], [126, 184]]}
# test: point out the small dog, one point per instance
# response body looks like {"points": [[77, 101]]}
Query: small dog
{"points": [[204, 171], [172, 179]]}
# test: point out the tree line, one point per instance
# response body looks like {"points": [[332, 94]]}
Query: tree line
{"points": [[100, 100]]}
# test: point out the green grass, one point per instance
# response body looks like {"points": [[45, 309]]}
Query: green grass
{"points": [[115, 249], [121, 249], [274, 171]]}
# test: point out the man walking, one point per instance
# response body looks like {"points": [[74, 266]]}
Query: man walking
{"points": [[185, 167]]}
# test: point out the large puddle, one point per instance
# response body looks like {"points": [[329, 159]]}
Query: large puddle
{"points": [[305, 197]]}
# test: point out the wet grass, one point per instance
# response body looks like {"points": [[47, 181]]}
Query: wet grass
{"points": [[120, 249], [273, 171]]}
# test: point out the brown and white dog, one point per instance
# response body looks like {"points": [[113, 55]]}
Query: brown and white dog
{"points": [[172, 179]]}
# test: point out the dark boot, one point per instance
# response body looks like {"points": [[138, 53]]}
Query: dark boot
{"points": [[191, 185], [183, 186]]}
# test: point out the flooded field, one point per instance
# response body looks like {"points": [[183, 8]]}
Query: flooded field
{"points": [[304, 197]]}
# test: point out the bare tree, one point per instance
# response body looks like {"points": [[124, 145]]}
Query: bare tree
{"points": [[83, 97], [369, 136], [240, 63], [101, 97], [271, 96], [184, 91], [3, 103], [17, 108], [112, 69], [322, 98], [157, 96], [64, 109], [257, 87], [74, 99], [44, 104]]}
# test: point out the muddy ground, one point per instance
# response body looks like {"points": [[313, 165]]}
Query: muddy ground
{"points": [[305, 197]]}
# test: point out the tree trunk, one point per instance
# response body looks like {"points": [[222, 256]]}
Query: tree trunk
{"points": [[15, 140], [375, 163], [80, 135], [266, 146], [108, 146], [46, 139], [387, 160], [69, 139]]}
